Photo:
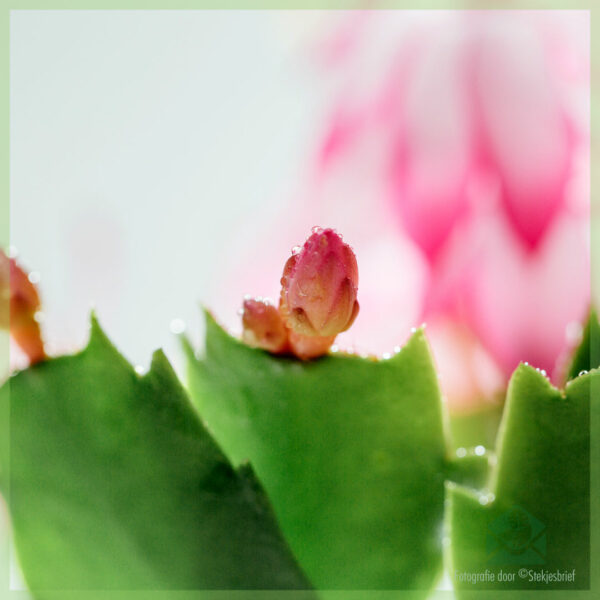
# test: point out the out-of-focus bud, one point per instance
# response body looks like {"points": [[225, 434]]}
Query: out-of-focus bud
{"points": [[19, 303], [263, 326], [319, 286], [4, 290]]}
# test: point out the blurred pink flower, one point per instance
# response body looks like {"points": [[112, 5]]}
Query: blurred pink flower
{"points": [[484, 154], [455, 162]]}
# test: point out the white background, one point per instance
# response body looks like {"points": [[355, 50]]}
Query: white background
{"points": [[144, 145]]}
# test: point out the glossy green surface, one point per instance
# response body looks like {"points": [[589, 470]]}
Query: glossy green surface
{"points": [[351, 452], [537, 518], [587, 354], [115, 484]]}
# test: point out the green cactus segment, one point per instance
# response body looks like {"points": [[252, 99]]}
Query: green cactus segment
{"points": [[477, 427], [471, 469], [115, 484], [532, 529], [351, 452], [587, 355]]}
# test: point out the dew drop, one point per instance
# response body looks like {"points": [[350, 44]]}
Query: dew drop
{"points": [[479, 450], [334, 348], [34, 277], [13, 252], [543, 372], [38, 316], [296, 249], [240, 311], [177, 326], [483, 499], [317, 229], [247, 297], [139, 369], [526, 363], [258, 299], [267, 301], [413, 330], [397, 349], [386, 356], [461, 452], [584, 372]]}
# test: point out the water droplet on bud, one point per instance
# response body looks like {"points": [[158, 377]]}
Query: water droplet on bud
{"points": [[34, 277], [584, 372], [296, 249]]}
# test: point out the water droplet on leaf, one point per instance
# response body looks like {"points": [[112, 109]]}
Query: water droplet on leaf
{"points": [[177, 326]]}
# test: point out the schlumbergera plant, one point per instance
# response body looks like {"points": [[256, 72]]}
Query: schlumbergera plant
{"points": [[285, 465]]}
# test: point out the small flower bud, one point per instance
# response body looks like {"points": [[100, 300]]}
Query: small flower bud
{"points": [[19, 303], [319, 286], [263, 327], [306, 347]]}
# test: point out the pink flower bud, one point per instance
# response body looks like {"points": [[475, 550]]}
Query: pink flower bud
{"points": [[306, 347], [263, 327], [19, 303], [319, 286]]}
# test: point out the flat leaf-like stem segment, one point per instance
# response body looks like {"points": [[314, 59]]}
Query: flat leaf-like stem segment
{"points": [[116, 484], [536, 517], [350, 450], [587, 355]]}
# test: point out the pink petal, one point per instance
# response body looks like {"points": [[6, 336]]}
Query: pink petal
{"points": [[525, 132], [432, 155], [520, 303]]}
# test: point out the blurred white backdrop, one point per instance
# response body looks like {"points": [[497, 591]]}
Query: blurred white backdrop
{"points": [[143, 147]]}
